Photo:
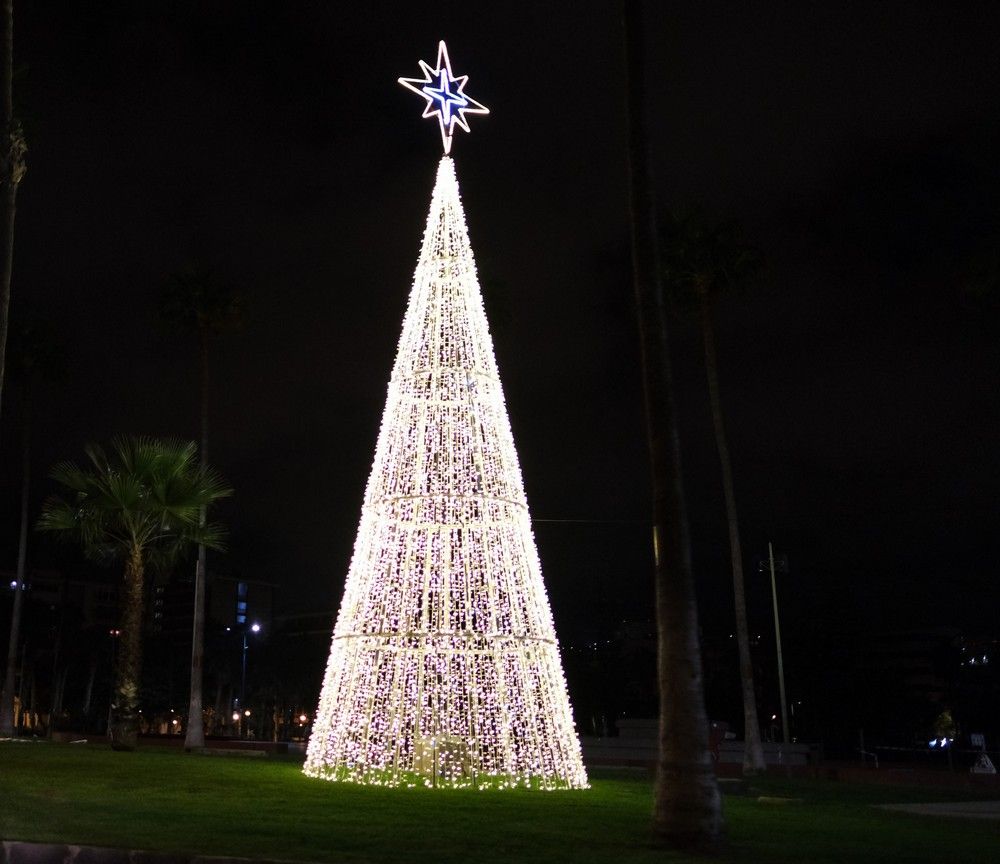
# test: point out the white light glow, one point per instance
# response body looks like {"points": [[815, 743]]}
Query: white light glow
{"points": [[445, 95], [444, 667]]}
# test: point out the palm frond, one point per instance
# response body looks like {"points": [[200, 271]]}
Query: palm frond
{"points": [[70, 475], [161, 557], [72, 521], [98, 459], [58, 517], [137, 454], [124, 491], [211, 486], [701, 259], [198, 301], [212, 535], [145, 494]]}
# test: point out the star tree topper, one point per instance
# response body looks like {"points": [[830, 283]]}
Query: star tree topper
{"points": [[445, 96]]}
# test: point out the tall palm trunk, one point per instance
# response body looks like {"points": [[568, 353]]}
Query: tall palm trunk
{"points": [[12, 168], [124, 731], [12, 150], [195, 735], [7, 699], [687, 808], [753, 753]]}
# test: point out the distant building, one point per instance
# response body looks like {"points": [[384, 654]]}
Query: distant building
{"points": [[95, 596], [237, 602], [922, 664], [170, 611]]}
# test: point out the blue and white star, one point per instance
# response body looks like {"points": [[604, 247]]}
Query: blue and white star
{"points": [[445, 96]]}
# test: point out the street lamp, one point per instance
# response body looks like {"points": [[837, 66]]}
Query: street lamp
{"points": [[255, 628], [114, 633], [782, 566]]}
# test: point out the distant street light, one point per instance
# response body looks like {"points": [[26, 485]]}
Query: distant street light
{"points": [[783, 566], [114, 633], [255, 628]]}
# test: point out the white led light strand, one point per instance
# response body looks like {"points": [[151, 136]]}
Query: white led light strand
{"points": [[445, 95], [444, 667]]}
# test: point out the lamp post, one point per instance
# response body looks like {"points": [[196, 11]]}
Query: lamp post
{"points": [[114, 633], [777, 639], [255, 627]]}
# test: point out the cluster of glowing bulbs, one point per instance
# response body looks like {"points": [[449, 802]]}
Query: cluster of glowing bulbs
{"points": [[445, 95], [444, 667]]}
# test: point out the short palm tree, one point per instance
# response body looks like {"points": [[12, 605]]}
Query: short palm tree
{"points": [[140, 504]]}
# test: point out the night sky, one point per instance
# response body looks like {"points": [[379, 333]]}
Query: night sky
{"points": [[856, 143]]}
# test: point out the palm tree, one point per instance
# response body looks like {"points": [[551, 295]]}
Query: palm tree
{"points": [[980, 275], [196, 302], [687, 810], [141, 504], [35, 352], [700, 263], [12, 167]]}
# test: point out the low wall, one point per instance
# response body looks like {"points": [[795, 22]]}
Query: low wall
{"points": [[177, 742], [641, 752]]}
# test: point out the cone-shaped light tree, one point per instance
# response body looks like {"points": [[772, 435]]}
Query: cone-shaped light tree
{"points": [[444, 667]]}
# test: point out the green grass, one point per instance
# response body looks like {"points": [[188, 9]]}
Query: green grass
{"points": [[265, 808]]}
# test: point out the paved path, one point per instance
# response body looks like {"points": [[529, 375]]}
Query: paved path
{"points": [[16, 852], [960, 809]]}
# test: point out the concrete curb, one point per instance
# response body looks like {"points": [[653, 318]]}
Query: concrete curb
{"points": [[17, 852]]}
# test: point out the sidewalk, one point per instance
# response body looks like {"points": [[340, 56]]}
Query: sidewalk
{"points": [[16, 852], [959, 809]]}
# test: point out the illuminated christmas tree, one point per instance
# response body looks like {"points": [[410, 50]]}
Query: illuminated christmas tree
{"points": [[444, 667]]}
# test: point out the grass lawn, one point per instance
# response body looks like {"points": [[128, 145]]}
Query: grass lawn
{"points": [[167, 801]]}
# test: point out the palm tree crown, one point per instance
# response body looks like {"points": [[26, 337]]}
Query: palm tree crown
{"points": [[144, 498], [703, 260], [196, 300]]}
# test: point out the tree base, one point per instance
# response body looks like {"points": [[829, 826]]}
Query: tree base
{"points": [[123, 736]]}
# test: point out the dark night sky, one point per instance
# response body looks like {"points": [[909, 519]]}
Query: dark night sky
{"points": [[856, 142]]}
